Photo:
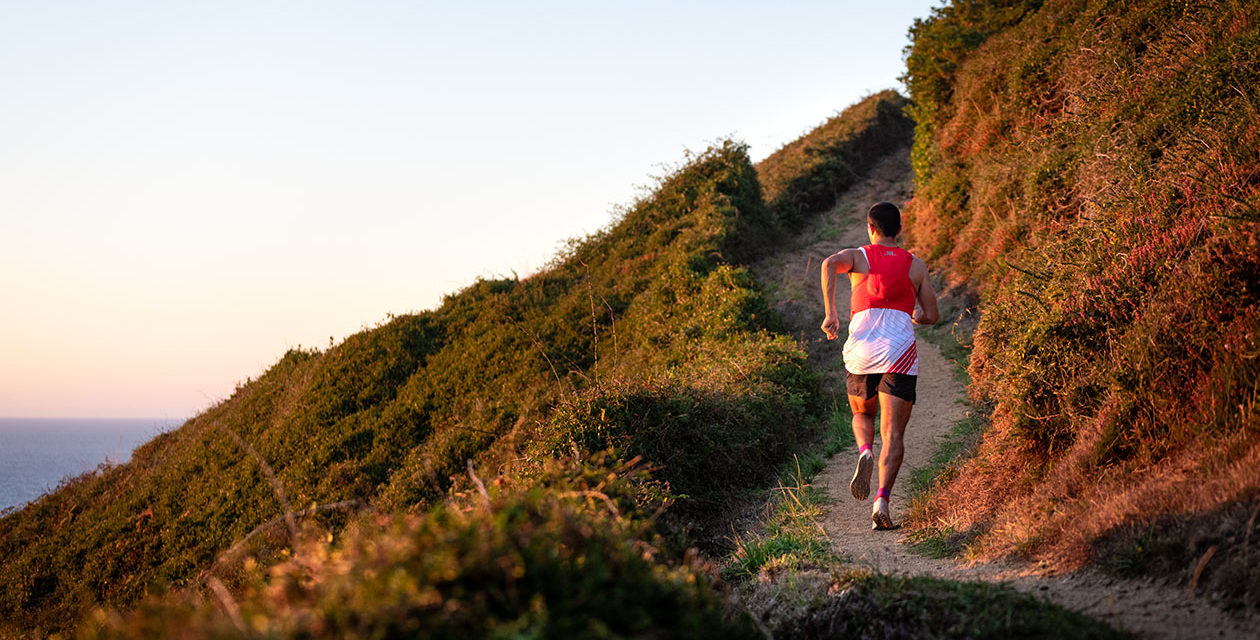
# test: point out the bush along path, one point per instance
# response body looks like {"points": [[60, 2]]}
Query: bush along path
{"points": [[814, 593]]}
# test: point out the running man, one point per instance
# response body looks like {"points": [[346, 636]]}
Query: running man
{"points": [[879, 356]]}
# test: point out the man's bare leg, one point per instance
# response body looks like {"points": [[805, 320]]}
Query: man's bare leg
{"points": [[864, 433], [894, 413], [864, 419]]}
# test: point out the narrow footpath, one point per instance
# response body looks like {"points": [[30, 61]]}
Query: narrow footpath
{"points": [[1148, 609]]}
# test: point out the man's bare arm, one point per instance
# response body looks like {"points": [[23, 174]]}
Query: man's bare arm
{"points": [[927, 313], [841, 262]]}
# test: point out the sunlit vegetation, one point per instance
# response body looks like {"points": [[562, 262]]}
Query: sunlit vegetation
{"points": [[562, 553], [1093, 168]]}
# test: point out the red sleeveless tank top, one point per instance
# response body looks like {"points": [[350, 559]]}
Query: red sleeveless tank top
{"points": [[888, 285]]}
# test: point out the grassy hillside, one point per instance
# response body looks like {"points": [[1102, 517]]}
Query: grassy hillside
{"points": [[804, 176], [645, 341], [1093, 168]]}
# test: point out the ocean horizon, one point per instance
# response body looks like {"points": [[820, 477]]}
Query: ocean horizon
{"points": [[36, 454]]}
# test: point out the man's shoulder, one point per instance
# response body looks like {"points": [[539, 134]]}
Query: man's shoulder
{"points": [[850, 253], [857, 253], [918, 269]]}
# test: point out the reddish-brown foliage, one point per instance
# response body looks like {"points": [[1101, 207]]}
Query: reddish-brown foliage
{"points": [[1095, 172]]}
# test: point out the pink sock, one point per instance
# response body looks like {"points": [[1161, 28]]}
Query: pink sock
{"points": [[883, 493], [863, 449]]}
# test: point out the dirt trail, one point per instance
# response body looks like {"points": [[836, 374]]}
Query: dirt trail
{"points": [[1147, 609]]}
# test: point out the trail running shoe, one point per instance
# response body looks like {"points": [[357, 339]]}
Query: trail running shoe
{"points": [[880, 520], [860, 487]]}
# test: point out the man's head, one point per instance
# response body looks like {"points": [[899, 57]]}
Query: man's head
{"points": [[885, 219]]}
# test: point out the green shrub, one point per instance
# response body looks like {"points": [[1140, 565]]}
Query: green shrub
{"points": [[560, 557]]}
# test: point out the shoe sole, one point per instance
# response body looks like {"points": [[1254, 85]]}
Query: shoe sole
{"points": [[881, 521], [860, 487]]}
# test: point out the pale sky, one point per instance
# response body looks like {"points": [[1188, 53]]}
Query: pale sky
{"points": [[187, 190]]}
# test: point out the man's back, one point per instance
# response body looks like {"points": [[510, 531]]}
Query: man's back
{"points": [[885, 283], [881, 333]]}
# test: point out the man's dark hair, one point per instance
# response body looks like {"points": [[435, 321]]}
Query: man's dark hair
{"points": [[886, 218]]}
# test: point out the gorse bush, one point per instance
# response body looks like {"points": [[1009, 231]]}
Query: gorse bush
{"points": [[1094, 168], [939, 45], [563, 555], [647, 338]]}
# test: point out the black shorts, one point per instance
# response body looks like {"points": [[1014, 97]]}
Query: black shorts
{"points": [[865, 386]]}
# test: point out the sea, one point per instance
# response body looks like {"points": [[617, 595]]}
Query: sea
{"points": [[37, 453]]}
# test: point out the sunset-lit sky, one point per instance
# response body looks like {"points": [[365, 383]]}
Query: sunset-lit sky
{"points": [[189, 189]]}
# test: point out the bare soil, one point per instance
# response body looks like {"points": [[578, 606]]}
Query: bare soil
{"points": [[1148, 609]]}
